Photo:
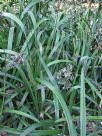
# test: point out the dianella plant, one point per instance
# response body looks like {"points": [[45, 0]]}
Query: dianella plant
{"points": [[50, 68]]}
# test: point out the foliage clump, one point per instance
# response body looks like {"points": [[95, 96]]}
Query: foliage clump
{"points": [[50, 68]]}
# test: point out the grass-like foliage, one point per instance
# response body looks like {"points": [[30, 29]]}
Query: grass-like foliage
{"points": [[50, 70]]}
